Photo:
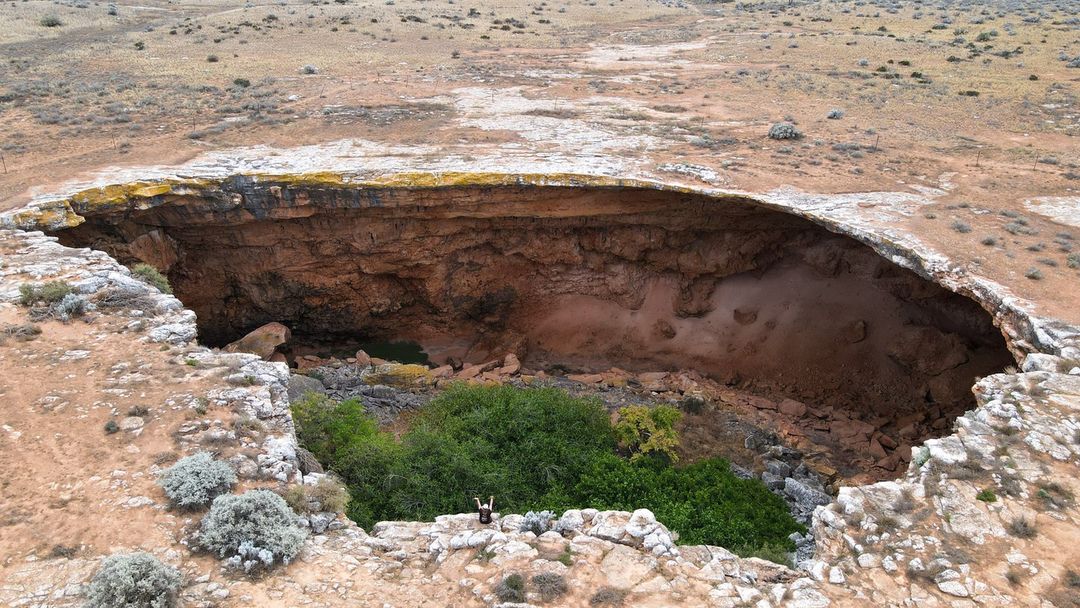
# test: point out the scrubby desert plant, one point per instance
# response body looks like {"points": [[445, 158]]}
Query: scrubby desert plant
{"points": [[111, 427], [537, 522], [23, 332], [608, 596], [45, 293], [327, 494], [135, 580], [1022, 527], [784, 130], [835, 114], [150, 275], [253, 530], [961, 227], [196, 480], [51, 21], [986, 496], [511, 588], [550, 586], [127, 297]]}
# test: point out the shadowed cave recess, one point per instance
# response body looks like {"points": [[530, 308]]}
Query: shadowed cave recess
{"points": [[574, 278]]}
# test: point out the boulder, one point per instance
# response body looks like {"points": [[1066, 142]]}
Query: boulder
{"points": [[262, 341], [300, 385], [510, 365], [362, 359], [625, 567], [793, 408]]}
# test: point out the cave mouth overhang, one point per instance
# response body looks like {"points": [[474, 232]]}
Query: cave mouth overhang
{"points": [[571, 270]]}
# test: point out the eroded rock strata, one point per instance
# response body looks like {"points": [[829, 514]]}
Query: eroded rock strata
{"points": [[585, 278]]}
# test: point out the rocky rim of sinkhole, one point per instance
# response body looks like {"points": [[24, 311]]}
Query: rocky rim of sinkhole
{"points": [[894, 541]]}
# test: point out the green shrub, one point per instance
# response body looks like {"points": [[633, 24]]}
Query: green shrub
{"points": [[533, 449], [51, 21], [148, 274], [704, 502], [111, 427], [47, 293], [511, 588], [136, 580], [252, 530], [194, 481], [986, 496], [645, 431]]}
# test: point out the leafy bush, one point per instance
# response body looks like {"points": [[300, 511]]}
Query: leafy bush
{"points": [[111, 427], [196, 480], [784, 130], [51, 21], [532, 449], [135, 580], [511, 588], [252, 530], [470, 441], [148, 274], [986, 496], [645, 431], [704, 501]]}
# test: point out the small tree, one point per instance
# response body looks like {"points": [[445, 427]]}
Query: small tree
{"points": [[135, 580], [645, 431]]}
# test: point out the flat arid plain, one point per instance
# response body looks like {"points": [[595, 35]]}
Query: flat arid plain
{"points": [[725, 303]]}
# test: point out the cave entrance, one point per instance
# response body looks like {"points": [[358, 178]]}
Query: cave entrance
{"points": [[585, 278]]}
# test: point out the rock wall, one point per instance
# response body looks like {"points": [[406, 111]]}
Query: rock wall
{"points": [[585, 278]]}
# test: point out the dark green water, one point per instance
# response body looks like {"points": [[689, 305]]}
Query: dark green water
{"points": [[402, 352]]}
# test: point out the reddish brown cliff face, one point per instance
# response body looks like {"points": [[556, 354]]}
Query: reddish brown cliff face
{"points": [[583, 278]]}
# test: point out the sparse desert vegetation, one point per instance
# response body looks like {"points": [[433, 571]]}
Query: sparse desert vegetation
{"points": [[143, 470]]}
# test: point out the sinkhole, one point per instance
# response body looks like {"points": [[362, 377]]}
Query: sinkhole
{"points": [[577, 278]]}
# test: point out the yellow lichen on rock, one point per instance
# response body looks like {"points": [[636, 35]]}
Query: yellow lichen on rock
{"points": [[400, 375]]}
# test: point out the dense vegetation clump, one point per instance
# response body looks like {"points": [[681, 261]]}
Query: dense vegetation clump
{"points": [[135, 580], [646, 431], [52, 300], [253, 530], [534, 449], [196, 480], [784, 130]]}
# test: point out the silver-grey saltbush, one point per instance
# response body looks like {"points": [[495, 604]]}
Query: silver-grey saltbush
{"points": [[134, 580], [251, 531], [196, 480]]}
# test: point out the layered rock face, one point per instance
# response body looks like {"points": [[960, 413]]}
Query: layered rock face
{"points": [[584, 278]]}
